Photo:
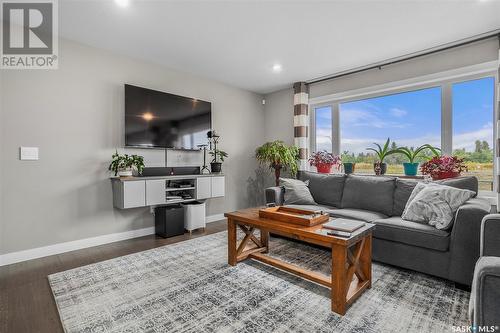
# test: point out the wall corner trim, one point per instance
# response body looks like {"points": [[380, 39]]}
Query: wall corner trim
{"points": [[49, 250]]}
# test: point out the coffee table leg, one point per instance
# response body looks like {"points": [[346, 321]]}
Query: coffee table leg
{"points": [[264, 239], [339, 279], [365, 260], [231, 242]]}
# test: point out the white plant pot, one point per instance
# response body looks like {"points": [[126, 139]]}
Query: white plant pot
{"points": [[125, 173]]}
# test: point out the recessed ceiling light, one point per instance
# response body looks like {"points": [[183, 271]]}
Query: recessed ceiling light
{"points": [[122, 3], [277, 68]]}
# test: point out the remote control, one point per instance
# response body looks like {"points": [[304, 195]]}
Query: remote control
{"points": [[339, 233]]}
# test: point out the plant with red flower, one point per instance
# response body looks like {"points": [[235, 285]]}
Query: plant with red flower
{"points": [[441, 167], [323, 161]]}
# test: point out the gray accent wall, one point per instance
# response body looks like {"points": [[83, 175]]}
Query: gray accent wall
{"points": [[75, 116], [467, 55]]}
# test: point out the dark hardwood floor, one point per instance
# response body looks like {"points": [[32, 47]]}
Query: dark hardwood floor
{"points": [[26, 302]]}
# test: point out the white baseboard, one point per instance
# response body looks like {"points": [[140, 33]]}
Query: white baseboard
{"points": [[44, 251], [215, 218]]}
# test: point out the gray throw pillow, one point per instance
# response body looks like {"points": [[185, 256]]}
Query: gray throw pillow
{"points": [[296, 192], [402, 193], [435, 204]]}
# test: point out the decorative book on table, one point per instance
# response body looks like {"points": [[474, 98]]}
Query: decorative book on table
{"points": [[343, 224]]}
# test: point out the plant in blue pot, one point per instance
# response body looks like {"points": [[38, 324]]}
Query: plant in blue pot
{"points": [[411, 167]]}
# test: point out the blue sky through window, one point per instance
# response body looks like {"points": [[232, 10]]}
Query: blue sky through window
{"points": [[324, 129], [473, 113], [410, 119]]}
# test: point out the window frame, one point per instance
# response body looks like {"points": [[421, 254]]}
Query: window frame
{"points": [[444, 80]]}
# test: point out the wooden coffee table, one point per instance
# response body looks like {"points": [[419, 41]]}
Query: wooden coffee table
{"points": [[351, 257]]}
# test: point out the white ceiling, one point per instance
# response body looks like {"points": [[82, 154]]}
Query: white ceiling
{"points": [[238, 42]]}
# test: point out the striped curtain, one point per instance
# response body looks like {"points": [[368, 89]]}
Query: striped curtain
{"points": [[498, 130], [301, 121]]}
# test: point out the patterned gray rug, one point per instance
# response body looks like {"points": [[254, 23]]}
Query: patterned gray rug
{"points": [[188, 287]]}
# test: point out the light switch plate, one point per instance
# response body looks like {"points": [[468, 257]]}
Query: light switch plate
{"points": [[28, 153]]}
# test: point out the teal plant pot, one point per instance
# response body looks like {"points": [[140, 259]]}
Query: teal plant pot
{"points": [[349, 168], [411, 168]]}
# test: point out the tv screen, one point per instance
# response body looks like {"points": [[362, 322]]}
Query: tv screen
{"points": [[160, 120]]}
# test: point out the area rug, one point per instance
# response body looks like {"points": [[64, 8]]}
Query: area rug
{"points": [[189, 287]]}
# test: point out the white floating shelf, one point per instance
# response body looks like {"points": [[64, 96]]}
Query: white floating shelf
{"points": [[171, 189]]}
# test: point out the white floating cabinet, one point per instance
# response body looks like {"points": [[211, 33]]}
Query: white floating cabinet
{"points": [[129, 194], [155, 192], [218, 187], [203, 188]]}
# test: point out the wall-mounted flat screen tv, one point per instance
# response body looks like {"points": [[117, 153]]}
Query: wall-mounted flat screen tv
{"points": [[155, 119]]}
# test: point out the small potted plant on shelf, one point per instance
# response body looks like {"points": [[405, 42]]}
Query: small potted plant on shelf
{"points": [[411, 167], [279, 157], [442, 167], [382, 152], [348, 161], [324, 161], [218, 158], [125, 165], [217, 154]]}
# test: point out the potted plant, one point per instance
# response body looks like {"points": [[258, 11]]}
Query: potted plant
{"points": [[217, 154], [323, 161], [216, 165], [348, 161], [382, 152], [411, 167], [442, 167], [124, 165], [279, 157]]}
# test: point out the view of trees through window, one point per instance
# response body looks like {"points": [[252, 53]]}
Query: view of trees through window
{"points": [[412, 119], [472, 105]]}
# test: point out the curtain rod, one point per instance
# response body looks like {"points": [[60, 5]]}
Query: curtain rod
{"points": [[410, 56]]}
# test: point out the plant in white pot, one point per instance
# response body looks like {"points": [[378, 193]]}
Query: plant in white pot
{"points": [[124, 165]]}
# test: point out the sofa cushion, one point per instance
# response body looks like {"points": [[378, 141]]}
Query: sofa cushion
{"points": [[412, 233], [373, 193], [325, 189], [402, 193], [464, 183], [296, 192], [356, 214]]}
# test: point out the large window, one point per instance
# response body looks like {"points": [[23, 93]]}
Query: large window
{"points": [[409, 119], [323, 128], [454, 115], [473, 127]]}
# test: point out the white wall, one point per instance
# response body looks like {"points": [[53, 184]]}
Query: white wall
{"points": [[279, 105], [278, 112], [75, 115]]}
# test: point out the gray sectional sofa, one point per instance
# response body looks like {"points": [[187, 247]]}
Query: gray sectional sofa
{"points": [[450, 254], [484, 306]]}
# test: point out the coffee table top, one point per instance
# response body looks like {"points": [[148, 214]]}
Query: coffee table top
{"points": [[315, 234]]}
